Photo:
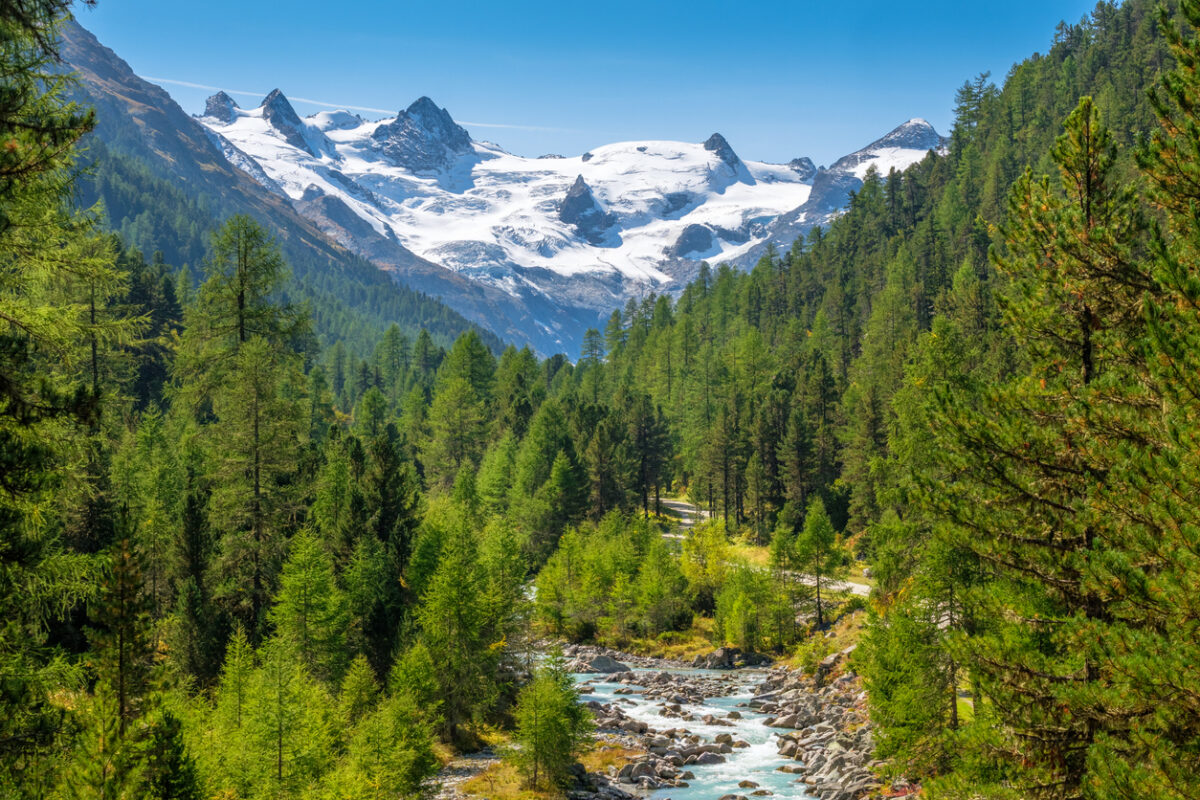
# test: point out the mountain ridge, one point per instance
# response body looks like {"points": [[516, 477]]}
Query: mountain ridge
{"points": [[537, 250], [583, 234], [140, 120]]}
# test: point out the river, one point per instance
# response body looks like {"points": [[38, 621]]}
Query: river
{"points": [[757, 763]]}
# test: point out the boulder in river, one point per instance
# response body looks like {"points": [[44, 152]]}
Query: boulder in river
{"points": [[603, 664]]}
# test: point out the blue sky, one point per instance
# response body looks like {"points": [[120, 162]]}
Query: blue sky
{"points": [[778, 79]]}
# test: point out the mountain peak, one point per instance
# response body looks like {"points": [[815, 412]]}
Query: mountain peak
{"points": [[424, 106], [221, 107], [277, 102], [717, 145], [278, 112], [804, 167], [580, 210], [915, 134], [422, 137]]}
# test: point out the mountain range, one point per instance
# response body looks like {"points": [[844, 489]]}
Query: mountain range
{"points": [[535, 249]]}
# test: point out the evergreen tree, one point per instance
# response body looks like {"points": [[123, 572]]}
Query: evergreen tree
{"points": [[310, 611], [255, 444], [170, 772], [551, 727], [818, 554], [453, 630], [121, 640], [1035, 451], [43, 409]]}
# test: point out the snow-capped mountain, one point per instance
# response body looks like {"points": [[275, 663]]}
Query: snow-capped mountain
{"points": [[831, 187], [584, 233]]}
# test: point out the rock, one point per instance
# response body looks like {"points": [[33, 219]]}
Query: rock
{"points": [[581, 210], [693, 239], [747, 785], [642, 770], [717, 145], [423, 137], [221, 107], [804, 167], [710, 758]]}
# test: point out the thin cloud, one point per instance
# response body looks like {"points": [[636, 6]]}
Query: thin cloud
{"points": [[244, 93], [537, 128]]}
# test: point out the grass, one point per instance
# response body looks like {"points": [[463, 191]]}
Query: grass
{"points": [[607, 754], [752, 554], [846, 631], [676, 645], [502, 781], [856, 574]]}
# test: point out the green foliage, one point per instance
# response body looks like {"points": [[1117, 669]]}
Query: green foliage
{"points": [[170, 771], [455, 630], [552, 727], [310, 611], [817, 553], [390, 755], [1011, 441], [56, 277], [105, 764], [616, 577]]}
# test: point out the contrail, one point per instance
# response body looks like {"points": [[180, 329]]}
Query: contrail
{"points": [[323, 104]]}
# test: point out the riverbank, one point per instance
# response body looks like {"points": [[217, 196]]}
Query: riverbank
{"points": [[665, 729]]}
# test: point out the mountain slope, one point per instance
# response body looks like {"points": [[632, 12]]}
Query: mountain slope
{"points": [[164, 179], [536, 250], [583, 234]]}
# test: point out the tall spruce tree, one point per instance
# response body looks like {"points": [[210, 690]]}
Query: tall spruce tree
{"points": [[1031, 455]]}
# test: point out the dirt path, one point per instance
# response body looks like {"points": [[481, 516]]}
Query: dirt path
{"points": [[689, 515]]}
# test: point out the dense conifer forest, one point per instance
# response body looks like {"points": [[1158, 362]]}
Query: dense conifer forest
{"points": [[241, 560]]}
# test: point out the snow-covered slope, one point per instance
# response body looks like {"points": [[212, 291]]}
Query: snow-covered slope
{"points": [[588, 231], [831, 189]]}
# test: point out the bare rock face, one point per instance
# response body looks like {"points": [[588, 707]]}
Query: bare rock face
{"points": [[581, 210], [694, 239], [804, 167], [221, 107], [278, 112], [422, 138], [717, 145]]}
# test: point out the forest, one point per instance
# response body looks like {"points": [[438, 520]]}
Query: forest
{"points": [[242, 556]]}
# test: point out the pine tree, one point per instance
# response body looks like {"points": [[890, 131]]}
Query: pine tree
{"points": [[170, 771], [359, 691], [457, 425], [1035, 452], [254, 445], [310, 611], [104, 764], [453, 630], [551, 727], [43, 409], [818, 554], [121, 641]]}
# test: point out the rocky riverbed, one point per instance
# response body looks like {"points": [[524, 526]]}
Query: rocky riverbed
{"points": [[725, 734]]}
